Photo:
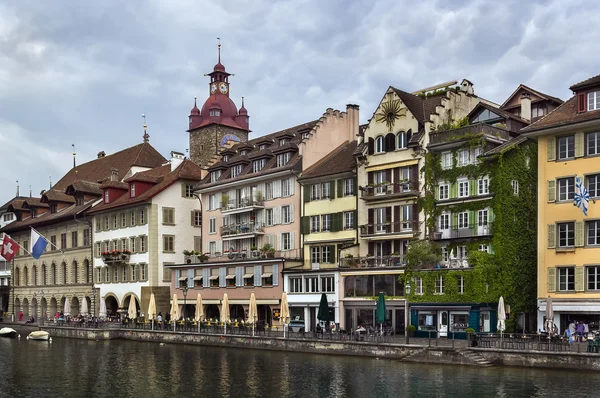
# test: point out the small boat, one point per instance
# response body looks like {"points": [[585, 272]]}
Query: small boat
{"points": [[39, 335], [8, 332]]}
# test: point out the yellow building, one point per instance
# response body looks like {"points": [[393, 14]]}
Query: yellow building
{"points": [[568, 240]]}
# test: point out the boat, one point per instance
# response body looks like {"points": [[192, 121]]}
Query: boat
{"points": [[8, 332], [39, 335]]}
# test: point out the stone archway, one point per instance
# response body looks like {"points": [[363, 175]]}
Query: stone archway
{"points": [[112, 305], [212, 312], [127, 300], [44, 306], [34, 308], [17, 308], [236, 311], [53, 307], [74, 306], [25, 308]]}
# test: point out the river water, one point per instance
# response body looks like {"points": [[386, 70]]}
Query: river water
{"points": [[79, 368]]}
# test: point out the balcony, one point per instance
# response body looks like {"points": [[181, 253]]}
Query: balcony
{"points": [[242, 230], [389, 228], [241, 206], [460, 233], [468, 132], [115, 257], [244, 255], [372, 262], [390, 190], [455, 263]]}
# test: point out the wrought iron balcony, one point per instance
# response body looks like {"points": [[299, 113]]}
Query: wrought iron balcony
{"points": [[398, 227], [390, 190], [241, 206], [241, 230], [456, 263], [459, 233], [372, 262], [467, 132]]}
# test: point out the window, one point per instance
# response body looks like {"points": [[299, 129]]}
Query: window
{"points": [[566, 279], [419, 285], [315, 192], [215, 175], [349, 220], [538, 111], [444, 192], [215, 112], [143, 243], [262, 147], [515, 187], [286, 187], [168, 243], [593, 185], [286, 214], [349, 186], [197, 218], [439, 285], [132, 245], [116, 274], [236, 171], [74, 239], [311, 284], [403, 138], [115, 222], [593, 232], [212, 225], [168, 215], [462, 252], [142, 216], [593, 144], [461, 285], [566, 147], [212, 247], [283, 141], [243, 152], [464, 157], [132, 219], [133, 275], [379, 144], [63, 241], [286, 241], [566, 234], [566, 188], [53, 242], [132, 189], [326, 218], [123, 220], [258, 165], [269, 190], [269, 217], [446, 160], [484, 248], [463, 189], [106, 196], [315, 224], [593, 278], [315, 254], [326, 191], [463, 219], [188, 191], [283, 158], [295, 285], [483, 186], [482, 218], [593, 100], [326, 254], [106, 224], [212, 202], [327, 284], [142, 272], [445, 221], [226, 158]]}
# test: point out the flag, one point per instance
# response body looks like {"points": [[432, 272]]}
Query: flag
{"points": [[38, 244], [581, 198], [9, 248]]}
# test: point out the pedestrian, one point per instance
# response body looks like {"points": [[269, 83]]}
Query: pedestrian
{"points": [[586, 330], [580, 330], [21, 315]]}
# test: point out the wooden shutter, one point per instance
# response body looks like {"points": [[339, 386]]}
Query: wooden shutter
{"points": [[276, 215], [390, 142], [396, 172], [206, 277], [388, 214], [305, 224], [473, 187], [239, 276], [551, 149], [371, 146], [552, 191], [306, 189], [258, 275], [275, 271], [222, 277], [414, 176], [190, 278], [552, 279], [370, 216], [292, 246], [370, 177], [551, 236], [183, 190], [292, 186], [333, 250], [579, 279], [198, 244], [388, 175], [340, 188], [579, 234], [453, 190], [579, 145], [415, 216], [581, 102], [397, 214], [291, 213]]}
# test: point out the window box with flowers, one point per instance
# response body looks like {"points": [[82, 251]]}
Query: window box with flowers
{"points": [[115, 256]]}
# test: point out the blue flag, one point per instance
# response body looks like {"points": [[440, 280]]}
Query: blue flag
{"points": [[581, 198], [38, 244]]}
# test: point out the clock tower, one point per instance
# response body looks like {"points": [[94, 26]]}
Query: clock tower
{"points": [[219, 119]]}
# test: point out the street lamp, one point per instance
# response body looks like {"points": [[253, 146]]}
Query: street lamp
{"points": [[184, 290]]}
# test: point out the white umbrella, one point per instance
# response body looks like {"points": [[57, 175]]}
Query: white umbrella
{"points": [[501, 316], [284, 317], [174, 311], [84, 307], [152, 309], [225, 311], [252, 311], [132, 311], [199, 311], [549, 317], [102, 313], [67, 309]]}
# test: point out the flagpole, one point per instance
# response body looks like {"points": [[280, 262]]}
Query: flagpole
{"points": [[43, 237], [18, 244]]}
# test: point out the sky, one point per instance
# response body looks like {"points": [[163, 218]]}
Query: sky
{"points": [[83, 72]]}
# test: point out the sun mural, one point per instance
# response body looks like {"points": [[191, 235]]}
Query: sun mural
{"points": [[390, 111]]}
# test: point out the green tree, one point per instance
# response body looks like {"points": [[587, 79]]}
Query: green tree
{"points": [[423, 254]]}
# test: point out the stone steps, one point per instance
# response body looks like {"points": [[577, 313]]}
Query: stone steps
{"points": [[475, 358]]}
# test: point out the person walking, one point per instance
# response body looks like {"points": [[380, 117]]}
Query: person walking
{"points": [[580, 330]]}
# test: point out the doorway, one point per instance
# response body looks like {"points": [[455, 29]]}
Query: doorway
{"points": [[443, 322]]}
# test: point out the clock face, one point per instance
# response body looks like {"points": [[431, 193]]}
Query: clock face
{"points": [[213, 88], [223, 88]]}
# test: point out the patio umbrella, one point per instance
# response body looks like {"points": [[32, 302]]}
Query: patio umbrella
{"points": [[132, 311], [284, 317], [501, 316], [252, 311], [549, 316], [323, 314], [199, 311], [152, 309], [84, 307], [174, 311], [225, 311], [380, 312], [67, 309], [102, 313]]}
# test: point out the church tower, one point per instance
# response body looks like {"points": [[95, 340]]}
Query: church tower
{"points": [[218, 121]]}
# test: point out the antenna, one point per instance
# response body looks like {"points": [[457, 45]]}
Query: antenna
{"points": [[17, 187], [74, 154], [219, 47], [30, 191], [50, 178], [146, 135]]}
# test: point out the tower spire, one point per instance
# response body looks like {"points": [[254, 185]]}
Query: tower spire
{"points": [[17, 187], [146, 135], [73, 145], [219, 48]]}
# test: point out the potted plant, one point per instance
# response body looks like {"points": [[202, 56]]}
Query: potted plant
{"points": [[268, 250], [471, 337], [259, 196], [203, 258], [224, 201], [411, 330]]}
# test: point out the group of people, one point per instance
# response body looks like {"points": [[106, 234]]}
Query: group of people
{"points": [[577, 331]]}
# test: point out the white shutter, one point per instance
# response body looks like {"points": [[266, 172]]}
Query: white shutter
{"points": [[280, 242], [291, 213], [262, 189], [207, 248], [277, 215], [291, 240], [190, 278], [219, 246], [206, 277], [258, 275], [222, 277], [260, 217], [239, 276], [177, 275], [275, 274], [292, 185], [218, 200], [276, 189]]}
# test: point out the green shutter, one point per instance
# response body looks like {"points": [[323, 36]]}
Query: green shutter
{"points": [[551, 236], [454, 220], [453, 190], [333, 252], [307, 189], [340, 188], [491, 215], [332, 189], [579, 234], [552, 191], [552, 279], [473, 221], [579, 279], [305, 224], [436, 192], [551, 149], [336, 222], [579, 145], [473, 187]]}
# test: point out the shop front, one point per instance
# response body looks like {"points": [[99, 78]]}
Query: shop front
{"points": [[451, 320], [362, 312], [569, 310]]}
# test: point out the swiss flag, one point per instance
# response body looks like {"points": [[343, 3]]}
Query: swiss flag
{"points": [[9, 249]]}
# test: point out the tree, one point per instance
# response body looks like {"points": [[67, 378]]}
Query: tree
{"points": [[423, 254]]}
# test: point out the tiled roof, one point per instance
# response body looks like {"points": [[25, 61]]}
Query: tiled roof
{"points": [[538, 93], [498, 111], [563, 115], [592, 81], [114, 184], [506, 146], [339, 160], [18, 199], [420, 107], [188, 170], [98, 170], [361, 148], [48, 218], [35, 202], [57, 196], [84, 187]]}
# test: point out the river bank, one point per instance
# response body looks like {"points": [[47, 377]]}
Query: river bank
{"points": [[417, 351]]}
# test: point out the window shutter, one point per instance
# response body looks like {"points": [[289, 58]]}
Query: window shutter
{"points": [[579, 279], [305, 224], [276, 189], [165, 215], [388, 214], [371, 146], [222, 277], [552, 279], [137, 245], [579, 234], [551, 236], [579, 145], [337, 222], [370, 177], [473, 221], [276, 215], [279, 242], [198, 244], [551, 149], [192, 217], [340, 188], [219, 246], [275, 274], [333, 251], [206, 277], [552, 191], [218, 197], [581, 102], [473, 187], [292, 246], [239, 276], [190, 277], [258, 275], [454, 190], [177, 275], [306, 189], [291, 213], [454, 220], [292, 186]]}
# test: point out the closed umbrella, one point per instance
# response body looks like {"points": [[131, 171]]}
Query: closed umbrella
{"points": [[199, 311], [152, 309], [84, 307], [225, 311], [380, 312], [102, 313], [252, 311], [501, 316], [67, 308], [323, 314], [284, 317], [174, 311], [549, 316], [132, 311]]}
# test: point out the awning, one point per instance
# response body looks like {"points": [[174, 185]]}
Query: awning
{"points": [[197, 278], [183, 278], [230, 277], [214, 277], [387, 166], [267, 275], [247, 276]]}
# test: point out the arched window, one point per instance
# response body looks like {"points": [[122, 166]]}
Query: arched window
{"points": [[401, 140], [75, 273], [379, 144], [44, 274], [53, 274], [26, 276], [17, 277], [34, 278], [64, 273], [86, 267]]}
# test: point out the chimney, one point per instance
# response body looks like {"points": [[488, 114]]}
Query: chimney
{"points": [[353, 121], [526, 107], [467, 87], [101, 154], [176, 159], [114, 174]]}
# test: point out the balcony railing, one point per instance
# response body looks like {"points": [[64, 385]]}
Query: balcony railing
{"points": [[398, 227], [456, 263], [242, 204], [466, 133], [468, 232], [390, 189], [241, 229], [115, 258], [372, 262], [244, 255]]}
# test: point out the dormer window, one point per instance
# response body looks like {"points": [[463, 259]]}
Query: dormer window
{"points": [[132, 189], [283, 141], [79, 200], [258, 165], [243, 152], [33, 213], [106, 196], [593, 101], [215, 112], [305, 135], [261, 147], [53, 208], [236, 170], [225, 158], [283, 159], [215, 175]]}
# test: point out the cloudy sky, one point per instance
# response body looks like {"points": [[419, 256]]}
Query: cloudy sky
{"points": [[82, 72]]}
